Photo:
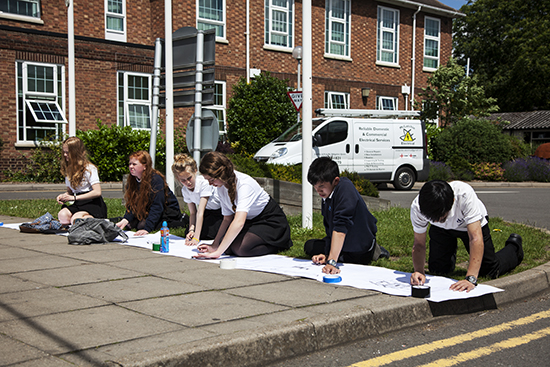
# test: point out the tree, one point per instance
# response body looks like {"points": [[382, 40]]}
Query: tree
{"points": [[508, 44], [258, 112], [451, 96]]}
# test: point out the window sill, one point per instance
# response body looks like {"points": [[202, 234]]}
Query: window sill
{"points": [[21, 18], [429, 70], [222, 40], [27, 144], [387, 64], [337, 57], [278, 48]]}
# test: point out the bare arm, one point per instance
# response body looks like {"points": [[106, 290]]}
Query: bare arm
{"points": [[476, 256], [336, 245], [418, 277]]}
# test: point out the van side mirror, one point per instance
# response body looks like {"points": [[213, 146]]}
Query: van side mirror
{"points": [[317, 140]]}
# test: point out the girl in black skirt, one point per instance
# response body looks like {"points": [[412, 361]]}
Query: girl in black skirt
{"points": [[253, 223], [83, 197]]}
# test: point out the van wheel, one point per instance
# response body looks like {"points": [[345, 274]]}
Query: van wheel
{"points": [[404, 179]]}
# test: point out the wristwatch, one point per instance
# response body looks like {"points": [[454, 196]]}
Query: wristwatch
{"points": [[472, 279], [332, 262]]}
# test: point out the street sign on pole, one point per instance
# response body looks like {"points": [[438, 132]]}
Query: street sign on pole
{"points": [[296, 98]]}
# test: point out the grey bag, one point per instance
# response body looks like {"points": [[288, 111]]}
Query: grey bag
{"points": [[94, 230]]}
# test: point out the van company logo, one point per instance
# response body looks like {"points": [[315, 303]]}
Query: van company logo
{"points": [[407, 136]]}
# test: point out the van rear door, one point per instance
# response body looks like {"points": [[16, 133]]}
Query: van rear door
{"points": [[372, 149]]}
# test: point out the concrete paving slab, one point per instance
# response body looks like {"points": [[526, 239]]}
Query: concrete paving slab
{"points": [[13, 351], [18, 305], [36, 262], [132, 289], [157, 264], [84, 329], [82, 274], [176, 339], [203, 308], [10, 252], [48, 361], [11, 283], [110, 254], [297, 292], [211, 277]]}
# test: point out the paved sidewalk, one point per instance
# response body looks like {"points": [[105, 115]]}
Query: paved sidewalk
{"points": [[115, 305]]}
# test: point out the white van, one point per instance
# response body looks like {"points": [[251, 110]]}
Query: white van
{"points": [[382, 146]]}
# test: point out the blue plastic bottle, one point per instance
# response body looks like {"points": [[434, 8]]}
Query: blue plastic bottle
{"points": [[164, 238]]}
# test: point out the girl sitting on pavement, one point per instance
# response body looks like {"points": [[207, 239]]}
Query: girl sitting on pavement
{"points": [[83, 185], [149, 200], [205, 214], [253, 223]]}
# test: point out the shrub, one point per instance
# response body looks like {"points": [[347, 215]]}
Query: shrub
{"points": [[539, 169], [462, 170], [286, 173], [364, 186], [488, 171], [440, 171], [472, 141], [249, 166], [41, 165], [516, 170], [258, 112]]}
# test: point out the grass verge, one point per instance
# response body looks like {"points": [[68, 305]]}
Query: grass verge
{"points": [[394, 233]]}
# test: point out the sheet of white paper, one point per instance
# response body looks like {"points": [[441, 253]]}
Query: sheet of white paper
{"points": [[359, 276]]}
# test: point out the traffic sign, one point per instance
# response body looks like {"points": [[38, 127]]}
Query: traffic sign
{"points": [[296, 98]]}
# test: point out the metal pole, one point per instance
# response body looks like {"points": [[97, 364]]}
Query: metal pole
{"points": [[299, 89], [156, 92], [247, 41], [198, 98], [71, 61], [169, 61], [307, 140]]}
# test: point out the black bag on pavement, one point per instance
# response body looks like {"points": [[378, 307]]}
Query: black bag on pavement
{"points": [[44, 224], [94, 230]]}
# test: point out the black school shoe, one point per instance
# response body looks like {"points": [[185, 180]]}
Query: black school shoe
{"points": [[516, 240], [384, 254]]}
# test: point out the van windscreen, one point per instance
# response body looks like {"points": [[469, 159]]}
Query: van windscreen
{"points": [[294, 133]]}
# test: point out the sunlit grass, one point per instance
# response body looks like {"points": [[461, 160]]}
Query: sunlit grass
{"points": [[394, 233]]}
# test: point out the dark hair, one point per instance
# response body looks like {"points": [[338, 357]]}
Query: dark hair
{"points": [[217, 165], [436, 199], [322, 169]]}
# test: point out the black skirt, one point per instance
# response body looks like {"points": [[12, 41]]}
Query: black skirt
{"points": [[271, 226], [95, 207]]}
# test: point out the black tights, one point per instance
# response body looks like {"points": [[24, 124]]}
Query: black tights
{"points": [[249, 244]]}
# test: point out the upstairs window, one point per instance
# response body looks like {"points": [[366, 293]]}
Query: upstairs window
{"points": [[134, 100], [24, 8], [115, 20], [387, 36], [40, 100], [431, 43], [279, 25], [386, 103], [337, 27], [211, 14], [336, 100]]}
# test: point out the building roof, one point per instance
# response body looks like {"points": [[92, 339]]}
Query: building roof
{"points": [[428, 6], [524, 120]]}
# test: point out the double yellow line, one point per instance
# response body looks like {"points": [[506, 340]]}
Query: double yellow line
{"points": [[463, 357]]}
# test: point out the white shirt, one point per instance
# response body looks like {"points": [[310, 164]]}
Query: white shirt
{"points": [[202, 189], [91, 177], [250, 198], [466, 209]]}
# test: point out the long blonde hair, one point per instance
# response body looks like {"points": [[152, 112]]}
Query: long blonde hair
{"points": [[77, 164], [139, 201], [217, 165]]}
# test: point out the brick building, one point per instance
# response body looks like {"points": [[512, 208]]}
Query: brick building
{"points": [[357, 45]]}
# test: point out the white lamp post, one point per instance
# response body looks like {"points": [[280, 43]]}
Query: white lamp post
{"points": [[297, 54]]}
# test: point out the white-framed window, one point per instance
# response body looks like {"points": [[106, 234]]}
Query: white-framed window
{"points": [[432, 31], [115, 20], [336, 100], [22, 8], [387, 39], [211, 14], [279, 23], [40, 101], [386, 103], [219, 107], [134, 100], [337, 27]]}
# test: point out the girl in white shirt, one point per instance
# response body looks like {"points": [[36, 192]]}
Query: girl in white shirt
{"points": [[253, 223], [205, 215], [83, 186]]}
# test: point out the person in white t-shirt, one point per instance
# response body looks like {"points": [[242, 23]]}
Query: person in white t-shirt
{"points": [[253, 223], [205, 214], [454, 211], [83, 196]]}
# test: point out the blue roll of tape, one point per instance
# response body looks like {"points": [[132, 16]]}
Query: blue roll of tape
{"points": [[332, 278]]}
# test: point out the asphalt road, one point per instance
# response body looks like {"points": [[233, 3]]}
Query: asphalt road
{"points": [[526, 205]]}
